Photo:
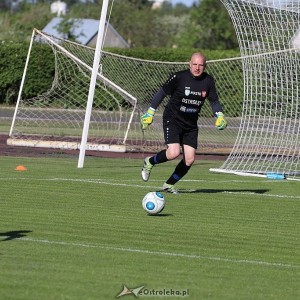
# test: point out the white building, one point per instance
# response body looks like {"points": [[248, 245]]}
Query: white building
{"points": [[59, 8], [158, 3]]}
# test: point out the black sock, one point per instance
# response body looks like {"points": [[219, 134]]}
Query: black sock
{"points": [[159, 158], [180, 170]]}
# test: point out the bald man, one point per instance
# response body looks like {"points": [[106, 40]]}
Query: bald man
{"points": [[188, 89]]}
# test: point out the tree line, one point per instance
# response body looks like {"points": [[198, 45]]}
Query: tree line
{"points": [[205, 25]]}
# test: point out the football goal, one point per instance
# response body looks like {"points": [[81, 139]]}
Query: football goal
{"points": [[268, 141], [61, 70]]}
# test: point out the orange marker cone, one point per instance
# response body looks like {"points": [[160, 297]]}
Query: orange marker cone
{"points": [[21, 168]]}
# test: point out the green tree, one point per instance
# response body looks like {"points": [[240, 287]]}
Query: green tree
{"points": [[216, 29], [18, 26], [140, 27], [187, 34], [176, 25], [138, 4]]}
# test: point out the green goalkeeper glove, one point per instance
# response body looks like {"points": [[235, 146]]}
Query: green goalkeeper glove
{"points": [[147, 118], [221, 123]]}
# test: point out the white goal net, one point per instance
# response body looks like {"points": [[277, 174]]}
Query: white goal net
{"points": [[268, 142], [54, 117]]}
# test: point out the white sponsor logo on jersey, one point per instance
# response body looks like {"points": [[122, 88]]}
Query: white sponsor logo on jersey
{"points": [[187, 90], [182, 108]]}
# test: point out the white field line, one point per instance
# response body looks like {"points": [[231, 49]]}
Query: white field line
{"points": [[156, 180], [162, 253], [115, 183]]}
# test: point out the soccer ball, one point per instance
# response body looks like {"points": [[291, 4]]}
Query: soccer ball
{"points": [[153, 203]]}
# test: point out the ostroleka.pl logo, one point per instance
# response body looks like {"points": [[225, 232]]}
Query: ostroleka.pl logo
{"points": [[142, 291]]}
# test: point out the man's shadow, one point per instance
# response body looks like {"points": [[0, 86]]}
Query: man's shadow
{"points": [[212, 191], [11, 235]]}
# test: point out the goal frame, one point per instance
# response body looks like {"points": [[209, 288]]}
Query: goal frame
{"points": [[70, 145]]}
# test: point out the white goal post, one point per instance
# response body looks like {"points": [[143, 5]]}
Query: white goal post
{"points": [[268, 142]]}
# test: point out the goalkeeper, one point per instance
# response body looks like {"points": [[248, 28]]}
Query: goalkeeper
{"points": [[188, 90]]}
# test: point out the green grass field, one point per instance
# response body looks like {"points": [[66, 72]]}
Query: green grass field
{"points": [[69, 233]]}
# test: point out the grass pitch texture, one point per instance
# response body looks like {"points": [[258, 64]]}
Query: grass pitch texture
{"points": [[69, 233]]}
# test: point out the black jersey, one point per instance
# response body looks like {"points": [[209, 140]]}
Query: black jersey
{"points": [[187, 96]]}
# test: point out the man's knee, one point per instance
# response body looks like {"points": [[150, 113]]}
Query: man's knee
{"points": [[173, 152], [189, 161]]}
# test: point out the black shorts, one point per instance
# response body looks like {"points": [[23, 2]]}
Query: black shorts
{"points": [[175, 134]]}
